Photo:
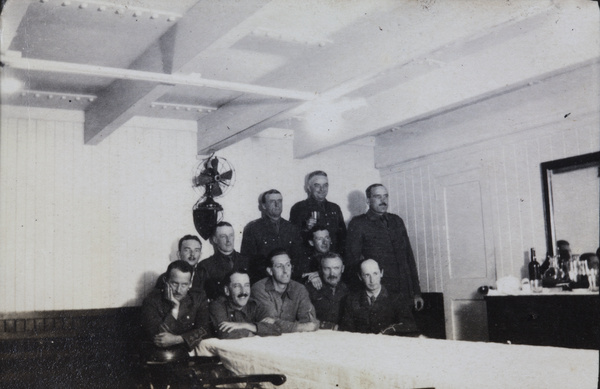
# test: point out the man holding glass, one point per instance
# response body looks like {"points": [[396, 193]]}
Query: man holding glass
{"points": [[316, 208]]}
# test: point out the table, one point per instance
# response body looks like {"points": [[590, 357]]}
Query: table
{"points": [[328, 359]]}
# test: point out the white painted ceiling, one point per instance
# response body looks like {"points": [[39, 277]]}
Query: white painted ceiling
{"points": [[334, 71]]}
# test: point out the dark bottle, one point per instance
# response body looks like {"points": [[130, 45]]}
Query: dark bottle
{"points": [[535, 274]]}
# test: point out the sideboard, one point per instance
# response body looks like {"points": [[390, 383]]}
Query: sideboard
{"points": [[562, 319]]}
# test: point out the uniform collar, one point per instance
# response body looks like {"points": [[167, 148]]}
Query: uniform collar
{"points": [[312, 201], [372, 215]]}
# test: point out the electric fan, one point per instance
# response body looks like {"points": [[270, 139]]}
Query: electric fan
{"points": [[213, 177]]}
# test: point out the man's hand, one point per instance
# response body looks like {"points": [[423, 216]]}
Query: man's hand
{"points": [[171, 298], [310, 223], [228, 326], [268, 320], [419, 303], [310, 326], [166, 339], [315, 280]]}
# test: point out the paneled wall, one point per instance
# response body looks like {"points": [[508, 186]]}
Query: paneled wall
{"points": [[92, 226], [88, 226], [506, 138]]}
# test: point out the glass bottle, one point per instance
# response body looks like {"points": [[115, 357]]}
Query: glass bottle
{"points": [[535, 276]]}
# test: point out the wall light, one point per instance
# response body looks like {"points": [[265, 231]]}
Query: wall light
{"points": [[10, 85]]}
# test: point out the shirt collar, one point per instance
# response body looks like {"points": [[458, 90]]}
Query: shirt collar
{"points": [[312, 201], [382, 292], [219, 254], [230, 306], [268, 219], [270, 287], [374, 216]]}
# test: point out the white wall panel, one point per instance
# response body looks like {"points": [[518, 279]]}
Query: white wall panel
{"points": [[511, 165], [87, 226]]}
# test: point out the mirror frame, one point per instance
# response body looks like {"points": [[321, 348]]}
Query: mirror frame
{"points": [[560, 166]]}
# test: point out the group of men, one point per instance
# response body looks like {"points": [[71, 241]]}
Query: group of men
{"points": [[290, 275]]}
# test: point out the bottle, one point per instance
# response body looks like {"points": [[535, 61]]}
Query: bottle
{"points": [[535, 275]]}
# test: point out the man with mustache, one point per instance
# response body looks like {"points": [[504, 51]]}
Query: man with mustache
{"points": [[233, 315], [171, 316], [328, 299], [375, 310], [190, 251], [382, 235]]}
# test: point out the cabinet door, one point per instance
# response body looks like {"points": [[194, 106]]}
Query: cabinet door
{"points": [[523, 320], [559, 321]]}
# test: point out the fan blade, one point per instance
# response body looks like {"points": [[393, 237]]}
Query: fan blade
{"points": [[203, 179], [227, 175], [215, 163], [216, 191]]}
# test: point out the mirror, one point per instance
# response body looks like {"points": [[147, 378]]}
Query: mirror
{"points": [[571, 189]]}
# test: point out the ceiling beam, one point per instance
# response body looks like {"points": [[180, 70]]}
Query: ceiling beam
{"points": [[121, 100], [508, 56], [17, 11], [31, 64], [238, 120], [181, 44]]}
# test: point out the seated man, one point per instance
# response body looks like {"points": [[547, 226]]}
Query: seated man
{"points": [[224, 260], [328, 299], [173, 317], [286, 301], [235, 316], [374, 309]]}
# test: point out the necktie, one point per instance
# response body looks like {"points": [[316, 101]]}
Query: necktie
{"points": [[372, 300], [229, 259], [384, 220]]}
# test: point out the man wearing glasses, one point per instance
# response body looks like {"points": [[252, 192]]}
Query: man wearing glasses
{"points": [[171, 316], [286, 302]]}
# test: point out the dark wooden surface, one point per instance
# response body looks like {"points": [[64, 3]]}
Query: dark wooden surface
{"points": [[430, 320], [71, 349], [571, 321]]}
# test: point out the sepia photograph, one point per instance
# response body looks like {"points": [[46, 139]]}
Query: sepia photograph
{"points": [[327, 194]]}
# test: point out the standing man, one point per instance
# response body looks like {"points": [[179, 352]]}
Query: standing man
{"points": [[328, 299], [190, 251], [171, 316], [286, 301], [374, 310], [271, 231], [224, 260], [382, 235], [233, 315], [327, 213]]}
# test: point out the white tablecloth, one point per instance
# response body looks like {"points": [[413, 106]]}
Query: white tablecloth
{"points": [[327, 359]]}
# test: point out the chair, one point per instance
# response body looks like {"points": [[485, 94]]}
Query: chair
{"points": [[174, 368]]}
